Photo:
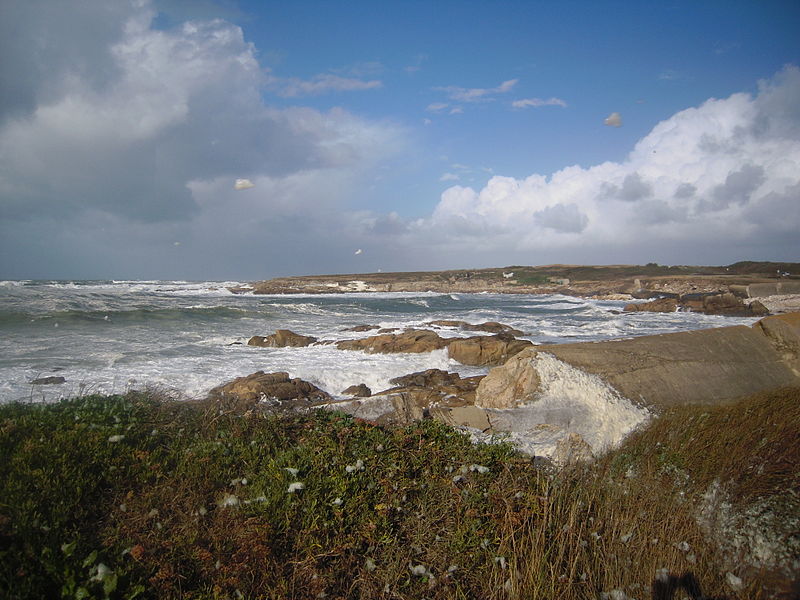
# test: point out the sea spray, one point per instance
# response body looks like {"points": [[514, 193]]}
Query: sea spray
{"points": [[568, 400]]}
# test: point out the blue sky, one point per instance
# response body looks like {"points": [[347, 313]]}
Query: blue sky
{"points": [[428, 135]]}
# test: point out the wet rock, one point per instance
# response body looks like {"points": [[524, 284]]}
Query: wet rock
{"points": [[53, 380], [412, 340], [659, 305], [727, 304], [488, 327], [280, 339], [486, 350], [358, 391], [362, 328]]}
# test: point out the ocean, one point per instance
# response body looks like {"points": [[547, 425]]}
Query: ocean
{"points": [[187, 337]]}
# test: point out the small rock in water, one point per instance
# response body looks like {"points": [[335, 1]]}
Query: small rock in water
{"points": [[48, 380]]}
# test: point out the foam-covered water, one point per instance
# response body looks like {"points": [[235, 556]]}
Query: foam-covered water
{"points": [[111, 336]]}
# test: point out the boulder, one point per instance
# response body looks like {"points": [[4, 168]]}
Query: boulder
{"points": [[434, 386], [362, 328], [412, 340], [659, 305], [430, 378], [245, 392], [486, 350], [719, 303], [53, 380], [488, 327], [511, 384], [282, 338], [358, 391]]}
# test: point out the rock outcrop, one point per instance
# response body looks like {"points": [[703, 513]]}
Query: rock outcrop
{"points": [[412, 340], [727, 304], [280, 339], [516, 382], [271, 388], [358, 391], [52, 380], [488, 327], [486, 350]]}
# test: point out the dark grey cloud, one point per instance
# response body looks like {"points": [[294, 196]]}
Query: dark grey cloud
{"points": [[736, 189], [42, 43], [118, 129], [564, 218], [685, 190], [633, 188]]}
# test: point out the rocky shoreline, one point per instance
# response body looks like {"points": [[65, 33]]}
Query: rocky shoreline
{"points": [[604, 389], [734, 288]]}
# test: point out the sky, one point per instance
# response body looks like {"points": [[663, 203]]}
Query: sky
{"points": [[394, 135]]}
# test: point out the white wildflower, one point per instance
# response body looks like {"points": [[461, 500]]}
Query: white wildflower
{"points": [[359, 466], [229, 500], [683, 546], [662, 575], [337, 501], [123, 507], [479, 468], [458, 479], [116, 438], [419, 570], [292, 471], [614, 595], [369, 564], [102, 571], [733, 581], [297, 485], [500, 560]]}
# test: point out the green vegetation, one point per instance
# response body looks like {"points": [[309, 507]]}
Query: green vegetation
{"points": [[131, 496]]}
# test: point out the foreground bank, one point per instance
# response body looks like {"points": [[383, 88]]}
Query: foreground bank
{"points": [[139, 497]]}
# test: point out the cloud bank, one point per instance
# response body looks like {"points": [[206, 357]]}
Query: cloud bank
{"points": [[121, 139], [708, 184]]}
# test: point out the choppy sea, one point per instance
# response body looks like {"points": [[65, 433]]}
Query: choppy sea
{"points": [[187, 337]]}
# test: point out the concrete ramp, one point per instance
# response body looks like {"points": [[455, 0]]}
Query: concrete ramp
{"points": [[693, 367], [709, 366]]}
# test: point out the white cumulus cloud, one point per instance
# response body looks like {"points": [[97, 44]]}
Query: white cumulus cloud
{"points": [[709, 178]]}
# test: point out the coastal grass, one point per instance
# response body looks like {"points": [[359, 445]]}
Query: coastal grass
{"points": [[135, 496]]}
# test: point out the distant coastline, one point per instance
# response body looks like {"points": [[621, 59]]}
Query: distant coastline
{"points": [[747, 280]]}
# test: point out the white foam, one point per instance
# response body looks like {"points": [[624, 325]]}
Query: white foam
{"points": [[576, 402]]}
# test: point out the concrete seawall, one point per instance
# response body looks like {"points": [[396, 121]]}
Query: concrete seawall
{"points": [[697, 367], [760, 290]]}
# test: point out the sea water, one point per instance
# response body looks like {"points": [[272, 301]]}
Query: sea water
{"points": [[187, 337]]}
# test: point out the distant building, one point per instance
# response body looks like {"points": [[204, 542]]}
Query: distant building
{"points": [[559, 281]]}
